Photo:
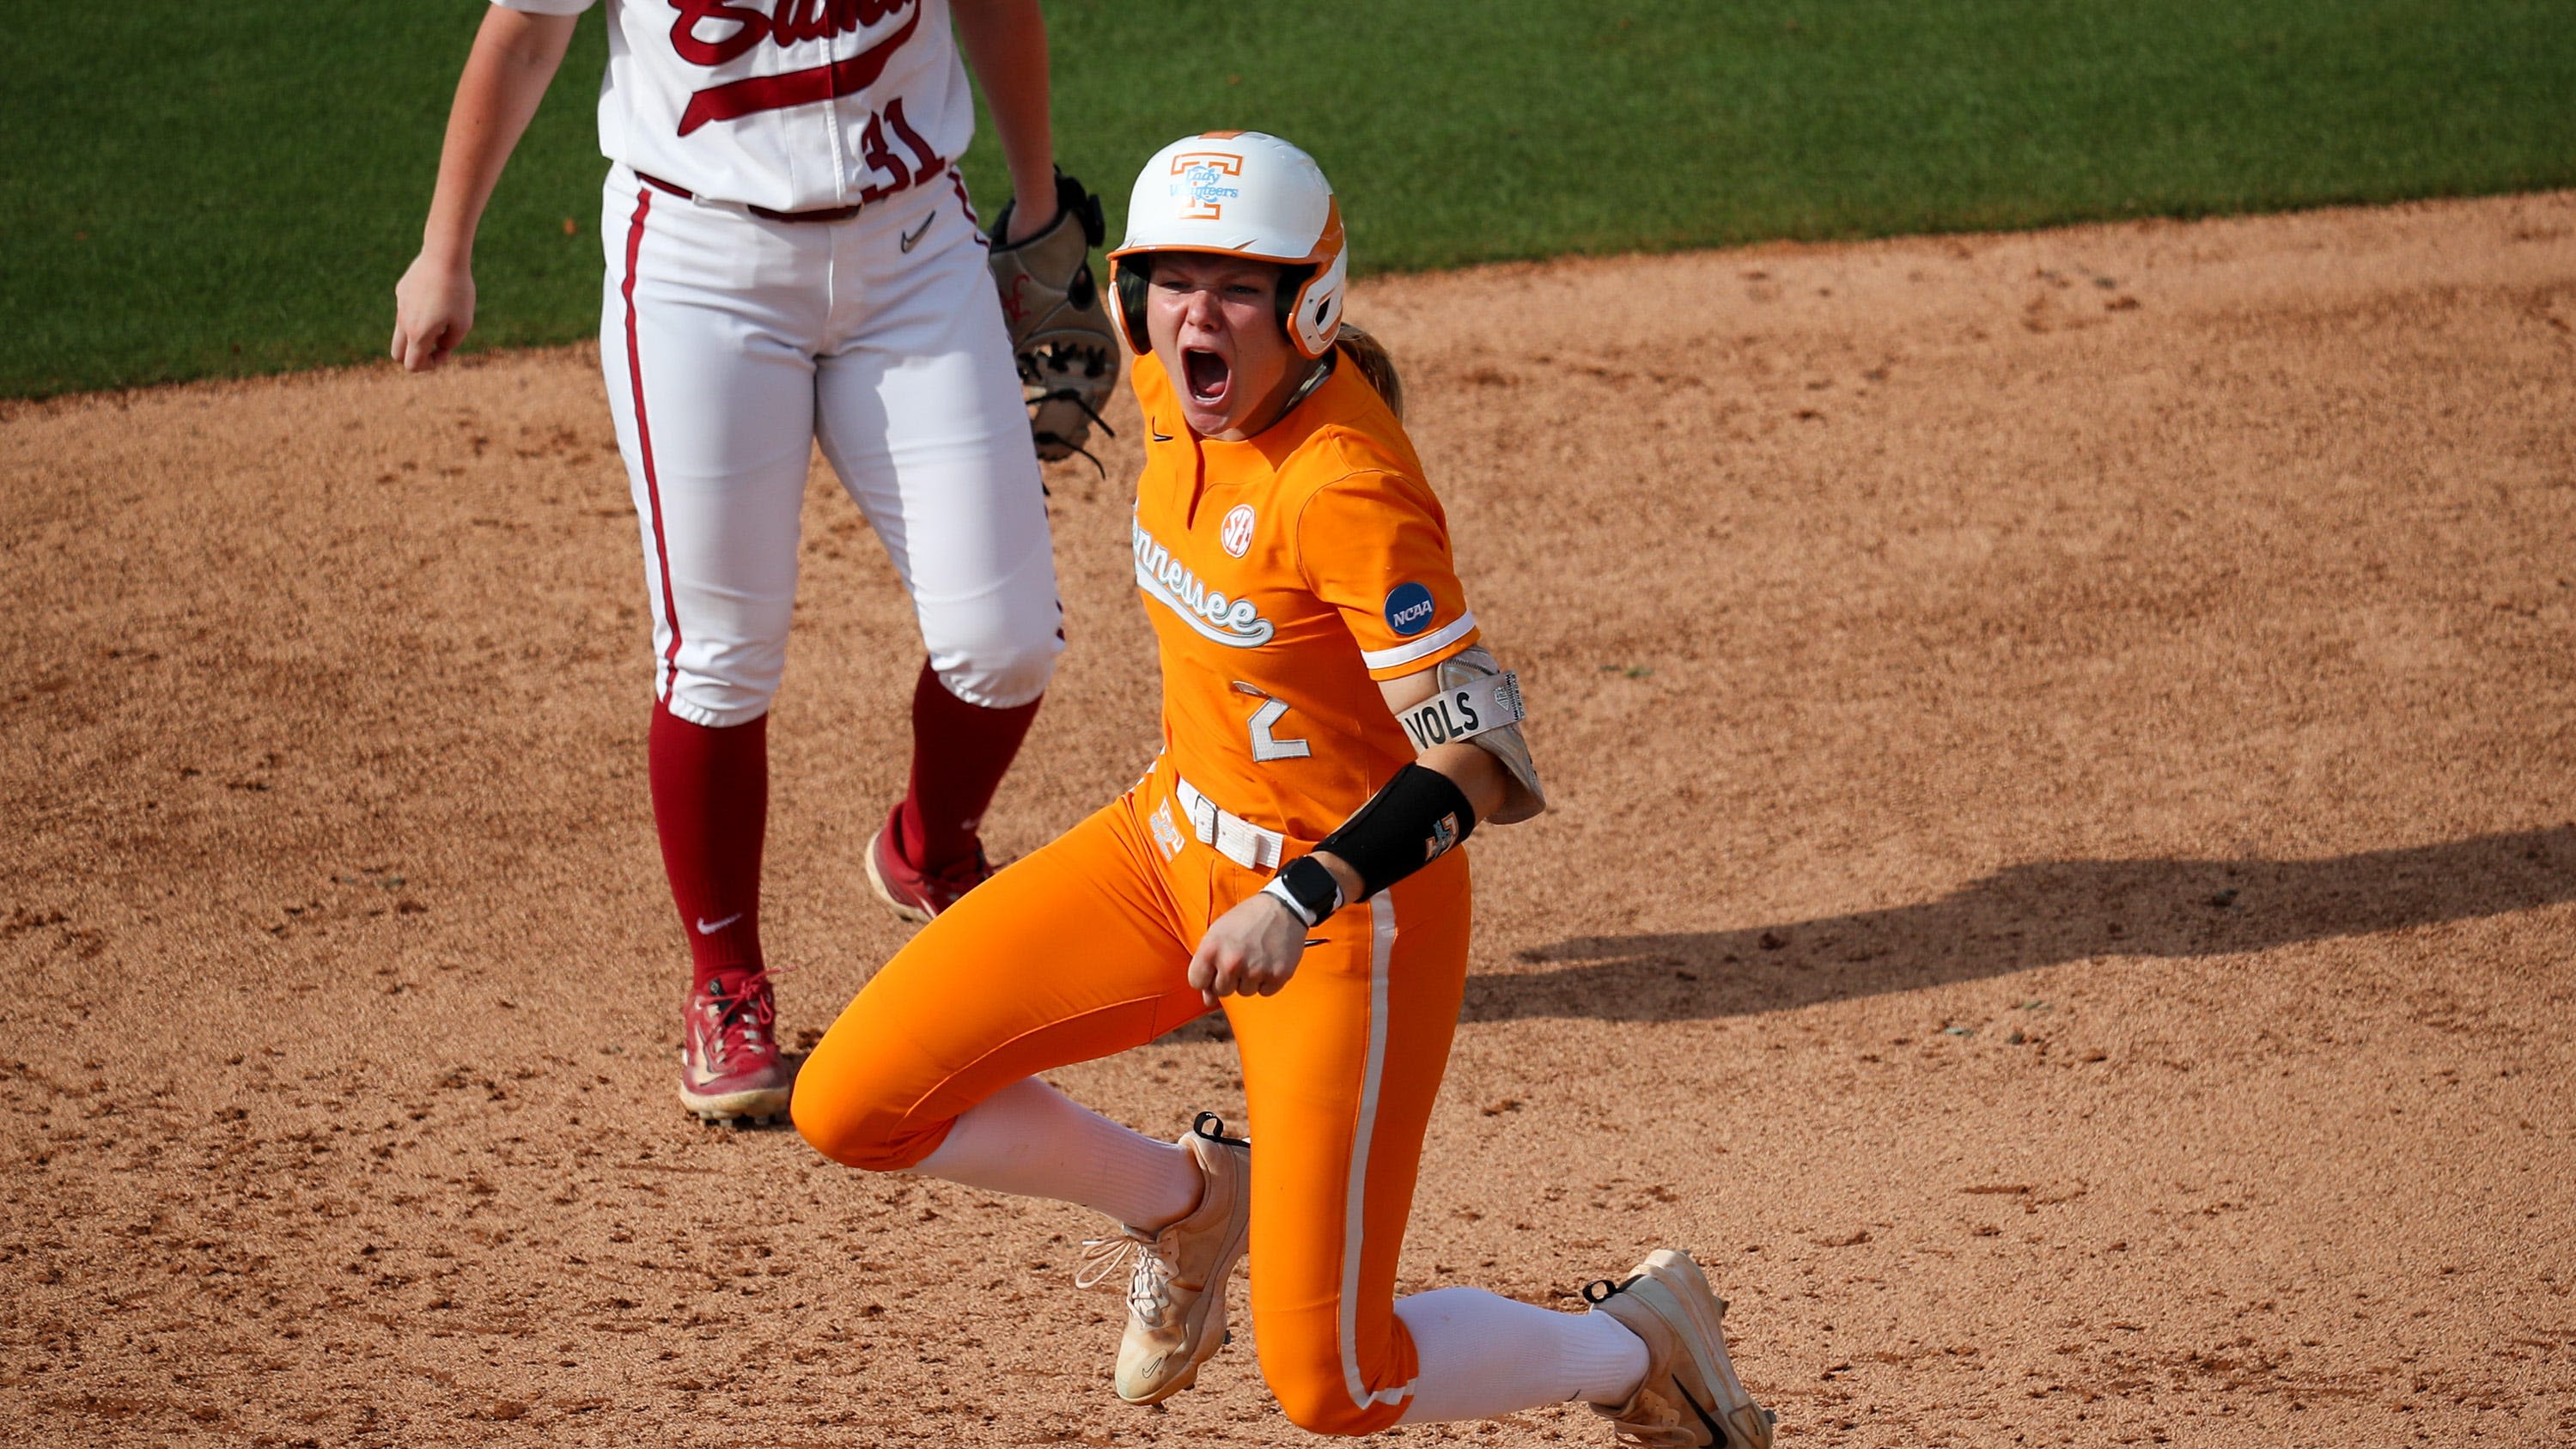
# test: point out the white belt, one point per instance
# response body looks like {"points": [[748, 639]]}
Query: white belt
{"points": [[1235, 838]]}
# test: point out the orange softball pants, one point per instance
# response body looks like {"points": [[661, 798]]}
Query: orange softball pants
{"points": [[1082, 950]]}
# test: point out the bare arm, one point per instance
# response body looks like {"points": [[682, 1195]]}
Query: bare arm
{"points": [[514, 58], [1006, 41]]}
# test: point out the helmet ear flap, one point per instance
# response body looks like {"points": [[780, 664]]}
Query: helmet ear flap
{"points": [[1310, 304], [1128, 279]]}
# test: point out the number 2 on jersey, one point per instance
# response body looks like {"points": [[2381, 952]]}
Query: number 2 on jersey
{"points": [[1268, 746]]}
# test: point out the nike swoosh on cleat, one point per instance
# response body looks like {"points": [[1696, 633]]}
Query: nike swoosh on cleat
{"points": [[917, 231], [1717, 1437], [709, 928]]}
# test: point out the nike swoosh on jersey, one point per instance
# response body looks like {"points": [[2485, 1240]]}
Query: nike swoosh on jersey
{"points": [[709, 928], [1162, 437], [917, 231]]}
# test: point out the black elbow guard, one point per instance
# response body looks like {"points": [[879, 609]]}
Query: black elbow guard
{"points": [[1402, 828]]}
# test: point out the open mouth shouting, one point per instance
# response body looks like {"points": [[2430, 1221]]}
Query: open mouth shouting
{"points": [[1208, 376]]}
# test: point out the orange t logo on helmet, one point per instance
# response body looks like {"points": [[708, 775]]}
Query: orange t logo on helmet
{"points": [[1204, 172]]}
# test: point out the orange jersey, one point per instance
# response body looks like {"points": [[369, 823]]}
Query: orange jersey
{"points": [[1285, 576]]}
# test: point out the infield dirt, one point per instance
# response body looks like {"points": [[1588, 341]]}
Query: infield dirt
{"points": [[2061, 888]]}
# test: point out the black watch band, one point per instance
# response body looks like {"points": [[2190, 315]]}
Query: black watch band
{"points": [[1306, 887]]}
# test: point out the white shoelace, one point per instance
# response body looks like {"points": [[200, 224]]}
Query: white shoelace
{"points": [[1148, 1284]]}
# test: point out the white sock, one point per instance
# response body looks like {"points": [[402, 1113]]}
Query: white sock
{"points": [[1033, 1141], [1484, 1356]]}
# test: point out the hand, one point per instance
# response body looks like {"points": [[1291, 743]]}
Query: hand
{"points": [[433, 310], [1251, 950]]}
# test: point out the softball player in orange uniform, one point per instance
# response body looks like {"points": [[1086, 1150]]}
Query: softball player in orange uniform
{"points": [[1331, 729]]}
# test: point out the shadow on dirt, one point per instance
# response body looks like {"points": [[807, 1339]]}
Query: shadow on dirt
{"points": [[2033, 915]]}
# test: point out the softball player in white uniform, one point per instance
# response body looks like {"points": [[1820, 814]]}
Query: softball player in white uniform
{"points": [[792, 259]]}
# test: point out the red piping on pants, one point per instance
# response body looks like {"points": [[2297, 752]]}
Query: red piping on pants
{"points": [[644, 441]]}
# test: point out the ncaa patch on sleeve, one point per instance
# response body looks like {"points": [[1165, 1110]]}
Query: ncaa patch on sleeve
{"points": [[1409, 609]]}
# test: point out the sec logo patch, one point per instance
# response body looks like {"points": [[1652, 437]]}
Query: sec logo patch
{"points": [[1237, 533], [1408, 609]]}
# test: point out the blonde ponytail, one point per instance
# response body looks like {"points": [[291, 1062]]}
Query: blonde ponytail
{"points": [[1370, 357]]}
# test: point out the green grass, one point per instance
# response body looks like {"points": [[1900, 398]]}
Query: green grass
{"points": [[200, 189]]}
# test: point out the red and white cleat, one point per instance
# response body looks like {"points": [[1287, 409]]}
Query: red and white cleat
{"points": [[729, 1062], [917, 894]]}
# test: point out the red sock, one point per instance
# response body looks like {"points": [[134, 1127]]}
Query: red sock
{"points": [[710, 808], [959, 752]]}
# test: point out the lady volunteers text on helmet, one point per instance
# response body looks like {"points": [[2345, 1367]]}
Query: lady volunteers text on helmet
{"points": [[1244, 194]]}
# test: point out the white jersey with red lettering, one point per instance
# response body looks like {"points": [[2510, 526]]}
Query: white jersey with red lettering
{"points": [[794, 105], [792, 261]]}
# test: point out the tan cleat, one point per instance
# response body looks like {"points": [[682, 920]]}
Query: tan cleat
{"points": [[1176, 1287], [1690, 1397]]}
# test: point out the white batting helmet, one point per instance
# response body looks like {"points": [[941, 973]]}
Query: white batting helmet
{"points": [[1245, 194]]}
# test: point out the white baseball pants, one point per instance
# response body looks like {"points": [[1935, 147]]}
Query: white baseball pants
{"points": [[731, 344]]}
